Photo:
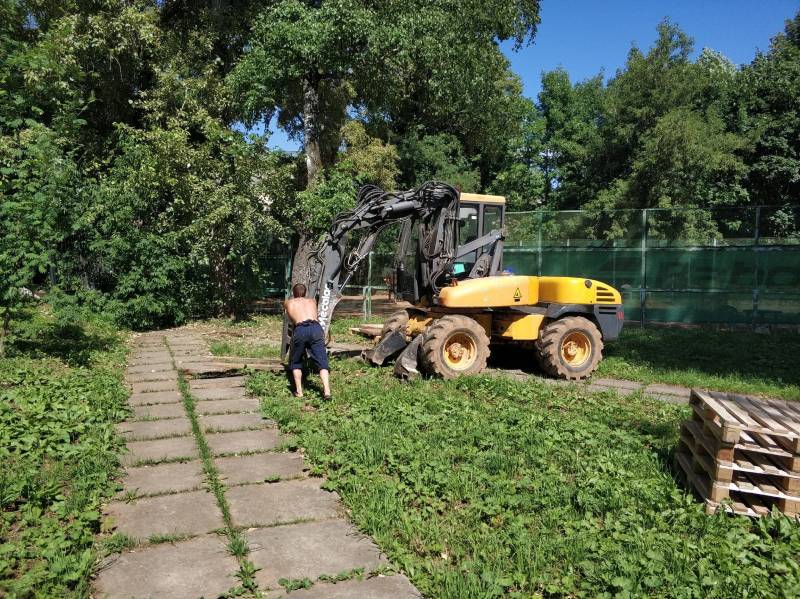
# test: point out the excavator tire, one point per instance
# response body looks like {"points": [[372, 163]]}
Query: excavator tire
{"points": [[395, 321], [398, 319], [454, 345], [570, 348]]}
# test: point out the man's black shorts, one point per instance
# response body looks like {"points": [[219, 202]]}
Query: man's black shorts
{"points": [[308, 335]]}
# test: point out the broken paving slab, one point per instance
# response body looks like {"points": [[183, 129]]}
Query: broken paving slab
{"points": [[181, 514], [155, 397], [190, 569], [227, 406], [220, 393], [233, 422], [224, 382], [173, 449], [159, 411], [154, 386], [256, 468], [141, 430], [309, 550], [281, 503], [243, 441], [164, 478], [378, 587]]}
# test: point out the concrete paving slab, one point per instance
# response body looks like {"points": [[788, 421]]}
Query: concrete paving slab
{"points": [[380, 587], [227, 406], [617, 383], [310, 549], [281, 503], [238, 470], [243, 441], [675, 399], [190, 569], [217, 393], [154, 429], [149, 377], [150, 354], [224, 382], [162, 366], [156, 451], [166, 410], [658, 389], [154, 360], [155, 397], [595, 388], [164, 478], [190, 513], [154, 386], [234, 422]]}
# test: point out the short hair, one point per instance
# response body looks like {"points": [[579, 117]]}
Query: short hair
{"points": [[299, 290]]}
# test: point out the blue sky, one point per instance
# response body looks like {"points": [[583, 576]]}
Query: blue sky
{"points": [[585, 36]]}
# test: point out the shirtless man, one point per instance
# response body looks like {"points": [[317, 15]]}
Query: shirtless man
{"points": [[302, 311]]}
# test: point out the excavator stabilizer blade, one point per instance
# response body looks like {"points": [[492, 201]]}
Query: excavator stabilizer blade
{"points": [[386, 348], [405, 366]]}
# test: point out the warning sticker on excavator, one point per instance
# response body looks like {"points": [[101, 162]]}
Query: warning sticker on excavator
{"points": [[517, 295]]}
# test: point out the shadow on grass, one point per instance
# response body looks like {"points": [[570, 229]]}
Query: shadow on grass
{"points": [[33, 336], [718, 353]]}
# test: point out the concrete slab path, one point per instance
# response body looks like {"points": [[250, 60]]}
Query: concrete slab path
{"points": [[211, 505]]}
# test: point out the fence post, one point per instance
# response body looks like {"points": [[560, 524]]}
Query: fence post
{"points": [[539, 245], [367, 291], [643, 284], [756, 241], [288, 274]]}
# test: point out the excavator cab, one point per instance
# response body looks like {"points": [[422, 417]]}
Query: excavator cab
{"points": [[478, 218]]}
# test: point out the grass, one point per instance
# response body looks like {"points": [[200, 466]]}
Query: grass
{"points": [[244, 349], [492, 487], [61, 392], [737, 361]]}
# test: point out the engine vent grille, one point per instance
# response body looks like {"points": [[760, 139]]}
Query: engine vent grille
{"points": [[604, 295]]}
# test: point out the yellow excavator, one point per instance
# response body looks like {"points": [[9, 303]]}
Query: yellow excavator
{"points": [[449, 267]]}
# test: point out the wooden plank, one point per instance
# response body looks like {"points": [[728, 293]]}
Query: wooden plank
{"points": [[723, 424]]}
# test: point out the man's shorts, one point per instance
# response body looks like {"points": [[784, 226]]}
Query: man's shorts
{"points": [[308, 335]]}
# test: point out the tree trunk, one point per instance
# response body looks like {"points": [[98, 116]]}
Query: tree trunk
{"points": [[311, 130], [4, 331], [312, 148]]}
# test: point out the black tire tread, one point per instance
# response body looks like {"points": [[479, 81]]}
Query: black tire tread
{"points": [[437, 333], [548, 347]]}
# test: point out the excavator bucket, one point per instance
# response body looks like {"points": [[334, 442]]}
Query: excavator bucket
{"points": [[405, 367], [389, 346]]}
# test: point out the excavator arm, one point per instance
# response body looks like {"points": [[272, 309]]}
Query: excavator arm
{"points": [[433, 208]]}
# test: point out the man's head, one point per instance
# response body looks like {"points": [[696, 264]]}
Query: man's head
{"points": [[299, 290]]}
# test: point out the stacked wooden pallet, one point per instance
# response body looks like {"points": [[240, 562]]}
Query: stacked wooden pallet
{"points": [[742, 454]]}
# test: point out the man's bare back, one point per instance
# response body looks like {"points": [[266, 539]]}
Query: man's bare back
{"points": [[299, 309]]}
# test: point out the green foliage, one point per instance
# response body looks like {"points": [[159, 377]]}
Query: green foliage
{"points": [[489, 487], [436, 158], [61, 392]]}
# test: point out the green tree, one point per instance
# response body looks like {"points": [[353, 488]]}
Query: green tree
{"points": [[769, 91]]}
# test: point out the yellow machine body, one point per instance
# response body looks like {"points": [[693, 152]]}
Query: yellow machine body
{"points": [[509, 291]]}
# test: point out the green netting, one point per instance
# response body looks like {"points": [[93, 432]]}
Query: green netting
{"points": [[733, 266], [726, 265]]}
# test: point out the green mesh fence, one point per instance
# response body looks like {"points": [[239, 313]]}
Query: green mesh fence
{"points": [[734, 266], [727, 266]]}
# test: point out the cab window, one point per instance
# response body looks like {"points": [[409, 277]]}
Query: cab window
{"points": [[467, 231], [492, 217]]}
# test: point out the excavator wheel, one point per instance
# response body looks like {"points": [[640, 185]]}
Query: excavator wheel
{"points": [[570, 348], [397, 320], [454, 345]]}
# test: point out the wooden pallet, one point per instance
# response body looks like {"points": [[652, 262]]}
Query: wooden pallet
{"points": [[737, 420], [745, 494], [722, 463]]}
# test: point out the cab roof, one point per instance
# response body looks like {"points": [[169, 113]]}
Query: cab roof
{"points": [[480, 198]]}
